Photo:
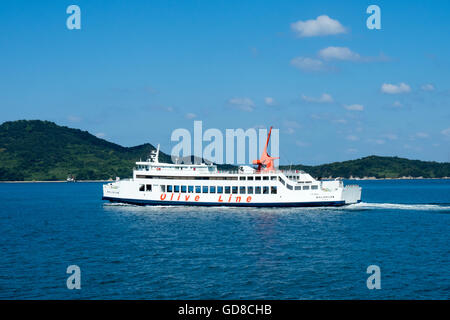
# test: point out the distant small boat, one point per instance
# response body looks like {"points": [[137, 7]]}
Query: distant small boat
{"points": [[156, 183], [71, 178]]}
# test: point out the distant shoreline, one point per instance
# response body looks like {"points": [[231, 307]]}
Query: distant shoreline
{"points": [[353, 178], [57, 181]]}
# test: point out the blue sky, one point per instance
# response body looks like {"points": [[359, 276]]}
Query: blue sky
{"points": [[137, 70]]}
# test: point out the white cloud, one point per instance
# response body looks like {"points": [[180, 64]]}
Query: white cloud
{"points": [[324, 98], [290, 130], [308, 64], [73, 118], [427, 87], [377, 141], [190, 115], [151, 90], [352, 138], [397, 104], [339, 53], [422, 135], [321, 26], [290, 126], [352, 150], [270, 101], [100, 135], [390, 136], [244, 104], [355, 107], [446, 132], [395, 89], [341, 121], [301, 143]]}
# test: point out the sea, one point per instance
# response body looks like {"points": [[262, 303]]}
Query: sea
{"points": [[402, 227]]}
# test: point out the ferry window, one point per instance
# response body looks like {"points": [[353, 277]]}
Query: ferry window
{"points": [[234, 189], [281, 180], [249, 178], [198, 189], [242, 190], [265, 190], [265, 178], [142, 187], [190, 189], [205, 189], [298, 188], [314, 187], [273, 178], [176, 188], [305, 187], [169, 189], [250, 190], [289, 187], [212, 189], [241, 178], [273, 190], [257, 178], [257, 190], [163, 188], [183, 189], [227, 189], [219, 189], [148, 187]]}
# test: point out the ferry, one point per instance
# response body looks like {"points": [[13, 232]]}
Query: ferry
{"points": [[263, 185]]}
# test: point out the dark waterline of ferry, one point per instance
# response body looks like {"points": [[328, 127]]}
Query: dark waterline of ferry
{"points": [[162, 252]]}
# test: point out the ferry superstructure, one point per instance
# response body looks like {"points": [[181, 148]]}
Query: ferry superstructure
{"points": [[166, 184]]}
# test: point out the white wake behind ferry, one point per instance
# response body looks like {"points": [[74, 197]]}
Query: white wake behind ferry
{"points": [[156, 183]]}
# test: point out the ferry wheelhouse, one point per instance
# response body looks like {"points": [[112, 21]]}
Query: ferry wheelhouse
{"points": [[167, 184]]}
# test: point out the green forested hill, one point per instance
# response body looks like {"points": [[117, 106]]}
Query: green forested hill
{"points": [[42, 150], [378, 167]]}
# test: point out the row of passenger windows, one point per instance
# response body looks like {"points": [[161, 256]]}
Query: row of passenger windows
{"points": [[221, 189]]}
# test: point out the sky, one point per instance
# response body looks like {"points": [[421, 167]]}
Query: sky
{"points": [[138, 70]]}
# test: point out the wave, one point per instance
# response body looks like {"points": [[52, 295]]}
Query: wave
{"points": [[359, 206], [400, 206]]}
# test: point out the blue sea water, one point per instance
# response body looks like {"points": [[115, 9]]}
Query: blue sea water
{"points": [[131, 252]]}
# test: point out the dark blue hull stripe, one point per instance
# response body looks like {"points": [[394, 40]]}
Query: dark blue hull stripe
{"points": [[226, 204]]}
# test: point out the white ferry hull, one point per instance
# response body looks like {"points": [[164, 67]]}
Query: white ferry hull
{"points": [[226, 204], [125, 192], [168, 184]]}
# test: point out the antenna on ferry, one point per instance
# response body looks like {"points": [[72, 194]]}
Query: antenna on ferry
{"points": [[154, 155], [266, 160]]}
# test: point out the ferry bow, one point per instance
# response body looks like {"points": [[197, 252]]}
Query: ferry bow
{"points": [[157, 183]]}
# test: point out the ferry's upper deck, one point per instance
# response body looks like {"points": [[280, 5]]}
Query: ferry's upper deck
{"points": [[153, 169]]}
